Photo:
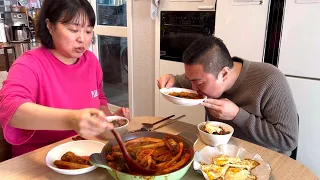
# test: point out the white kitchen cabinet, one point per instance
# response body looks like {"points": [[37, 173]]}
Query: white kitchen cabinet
{"points": [[307, 98], [242, 28], [300, 40], [187, 5], [298, 60]]}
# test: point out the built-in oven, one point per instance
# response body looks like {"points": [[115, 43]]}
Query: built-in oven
{"points": [[180, 28]]}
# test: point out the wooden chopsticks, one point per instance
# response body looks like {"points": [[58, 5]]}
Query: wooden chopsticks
{"points": [[170, 122]]}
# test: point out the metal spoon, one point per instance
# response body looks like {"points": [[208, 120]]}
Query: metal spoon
{"points": [[133, 167], [149, 125]]}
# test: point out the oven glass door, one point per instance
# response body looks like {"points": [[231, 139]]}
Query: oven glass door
{"points": [[180, 29]]}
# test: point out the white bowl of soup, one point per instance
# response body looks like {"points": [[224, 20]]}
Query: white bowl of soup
{"points": [[182, 96], [120, 125], [214, 133]]}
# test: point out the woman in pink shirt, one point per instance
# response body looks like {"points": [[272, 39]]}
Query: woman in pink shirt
{"points": [[55, 91]]}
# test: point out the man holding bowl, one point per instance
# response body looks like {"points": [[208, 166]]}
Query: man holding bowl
{"points": [[254, 98]]}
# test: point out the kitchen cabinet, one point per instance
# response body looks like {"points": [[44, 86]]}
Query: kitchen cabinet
{"points": [[242, 27], [298, 60], [307, 99], [187, 5]]}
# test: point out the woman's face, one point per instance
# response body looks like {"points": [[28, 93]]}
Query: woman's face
{"points": [[70, 40]]}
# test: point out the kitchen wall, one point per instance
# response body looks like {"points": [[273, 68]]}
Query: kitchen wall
{"points": [[143, 56]]}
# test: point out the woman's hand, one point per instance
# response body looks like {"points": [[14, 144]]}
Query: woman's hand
{"points": [[90, 122], [124, 112], [223, 109]]}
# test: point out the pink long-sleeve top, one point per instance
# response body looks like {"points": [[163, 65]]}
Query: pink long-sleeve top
{"points": [[39, 77]]}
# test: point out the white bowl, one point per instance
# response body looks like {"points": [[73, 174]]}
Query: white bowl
{"points": [[207, 153], [121, 130], [214, 139], [81, 148], [181, 101]]}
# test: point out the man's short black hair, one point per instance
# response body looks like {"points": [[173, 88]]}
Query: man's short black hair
{"points": [[63, 11], [210, 52]]}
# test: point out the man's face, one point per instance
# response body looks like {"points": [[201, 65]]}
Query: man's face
{"points": [[202, 82]]}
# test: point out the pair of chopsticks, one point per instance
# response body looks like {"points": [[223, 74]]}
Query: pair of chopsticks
{"points": [[152, 129], [169, 122]]}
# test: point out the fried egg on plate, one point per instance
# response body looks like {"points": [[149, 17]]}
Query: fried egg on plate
{"points": [[248, 164], [222, 160], [213, 171], [234, 173]]}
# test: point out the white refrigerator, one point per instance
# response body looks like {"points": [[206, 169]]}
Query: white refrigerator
{"points": [[244, 28], [299, 60]]}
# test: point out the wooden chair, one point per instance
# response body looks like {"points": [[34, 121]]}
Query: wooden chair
{"points": [[5, 48], [294, 152], [5, 147]]}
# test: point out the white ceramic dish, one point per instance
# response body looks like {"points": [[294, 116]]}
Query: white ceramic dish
{"points": [[81, 148], [213, 139], [181, 101], [207, 153], [121, 130]]}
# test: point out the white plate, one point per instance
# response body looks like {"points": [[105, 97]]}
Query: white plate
{"points": [[81, 148], [207, 153], [180, 101]]}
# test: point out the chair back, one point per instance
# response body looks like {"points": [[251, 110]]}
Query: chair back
{"points": [[5, 147], [294, 152]]}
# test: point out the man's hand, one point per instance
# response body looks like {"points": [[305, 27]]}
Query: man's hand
{"points": [[223, 109], [166, 81]]}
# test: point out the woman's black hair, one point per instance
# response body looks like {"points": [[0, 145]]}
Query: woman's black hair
{"points": [[63, 11]]}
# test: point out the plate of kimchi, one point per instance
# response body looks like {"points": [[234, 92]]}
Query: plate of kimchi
{"points": [[72, 158], [182, 96]]}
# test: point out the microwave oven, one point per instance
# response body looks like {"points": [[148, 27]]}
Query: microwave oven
{"points": [[178, 29]]}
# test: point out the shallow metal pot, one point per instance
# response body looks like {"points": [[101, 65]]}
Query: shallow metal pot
{"points": [[188, 139]]}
